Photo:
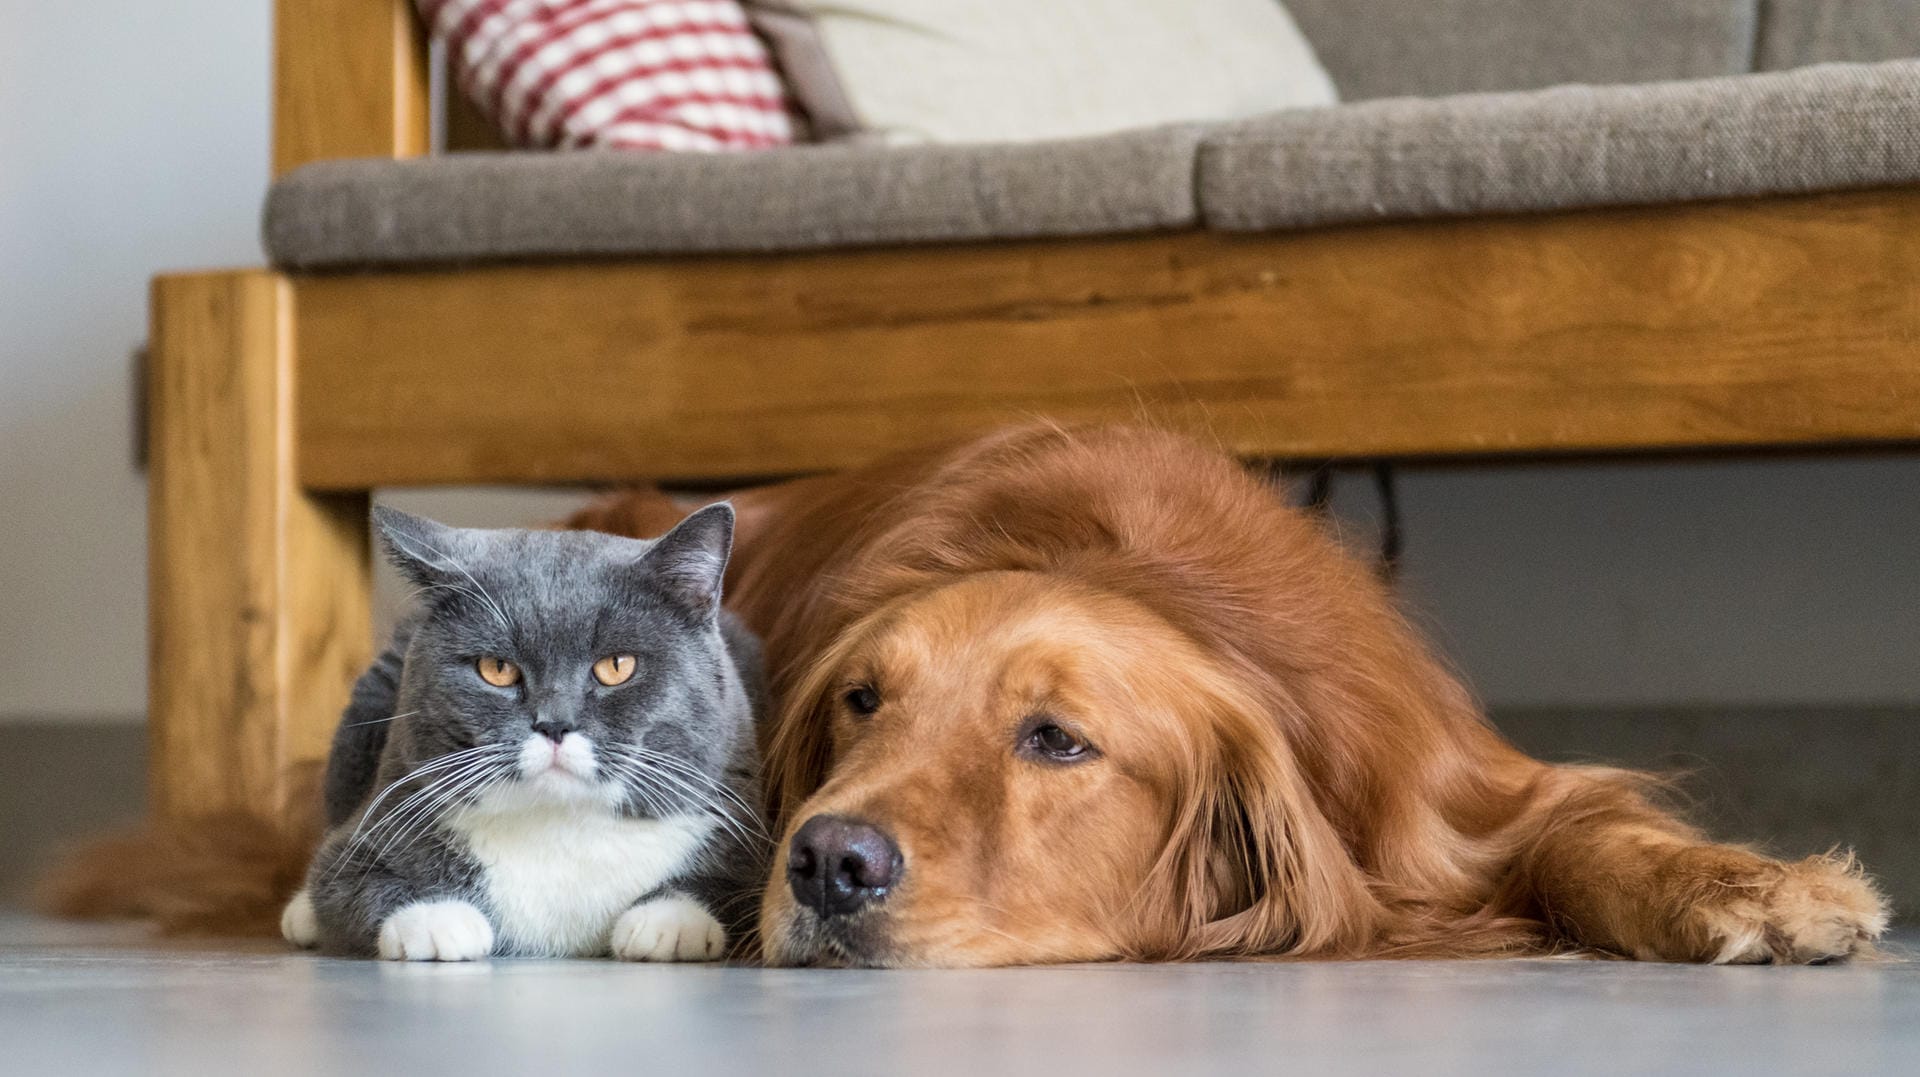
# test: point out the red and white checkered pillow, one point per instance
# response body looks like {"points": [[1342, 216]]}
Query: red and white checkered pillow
{"points": [[627, 74]]}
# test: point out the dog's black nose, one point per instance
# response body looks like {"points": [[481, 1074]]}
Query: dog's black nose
{"points": [[837, 865]]}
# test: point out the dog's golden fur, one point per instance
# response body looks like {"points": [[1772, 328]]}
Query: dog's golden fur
{"points": [[1279, 767], [1282, 768], [228, 873]]}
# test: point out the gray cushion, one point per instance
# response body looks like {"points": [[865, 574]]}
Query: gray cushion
{"points": [[1392, 48], [1794, 33], [464, 207], [1820, 128]]}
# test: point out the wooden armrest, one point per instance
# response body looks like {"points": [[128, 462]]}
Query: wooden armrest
{"points": [[350, 80]]}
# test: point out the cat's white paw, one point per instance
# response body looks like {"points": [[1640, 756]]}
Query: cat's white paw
{"points": [[298, 922], [436, 931], [672, 928]]}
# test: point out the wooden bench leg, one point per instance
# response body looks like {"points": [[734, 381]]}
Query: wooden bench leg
{"points": [[259, 591]]}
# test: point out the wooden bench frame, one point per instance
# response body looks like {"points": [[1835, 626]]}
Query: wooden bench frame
{"points": [[279, 401]]}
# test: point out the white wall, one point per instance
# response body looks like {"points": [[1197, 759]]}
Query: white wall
{"points": [[133, 136]]}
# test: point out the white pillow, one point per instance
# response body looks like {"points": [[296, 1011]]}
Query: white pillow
{"points": [[1021, 70]]}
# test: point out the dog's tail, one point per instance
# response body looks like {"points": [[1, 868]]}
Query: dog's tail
{"points": [[226, 874]]}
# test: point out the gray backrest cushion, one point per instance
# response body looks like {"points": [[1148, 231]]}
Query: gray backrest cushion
{"points": [[1388, 48], [1794, 33]]}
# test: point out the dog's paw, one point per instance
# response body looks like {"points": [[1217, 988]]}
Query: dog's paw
{"points": [[436, 931], [298, 922], [1818, 909], [670, 928]]}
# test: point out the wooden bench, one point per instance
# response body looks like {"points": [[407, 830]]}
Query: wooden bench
{"points": [[278, 401]]}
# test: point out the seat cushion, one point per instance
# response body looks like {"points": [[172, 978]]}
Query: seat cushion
{"points": [[471, 207], [1820, 128]]}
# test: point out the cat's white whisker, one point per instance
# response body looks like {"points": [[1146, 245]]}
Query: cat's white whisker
{"points": [[454, 761], [471, 783], [632, 780], [437, 763], [636, 781], [427, 804], [377, 721], [653, 769], [703, 799], [671, 764], [689, 769]]}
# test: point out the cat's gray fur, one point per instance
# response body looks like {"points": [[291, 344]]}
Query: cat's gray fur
{"points": [[665, 800]]}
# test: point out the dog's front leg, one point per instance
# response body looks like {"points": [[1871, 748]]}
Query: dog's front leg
{"points": [[1611, 872]]}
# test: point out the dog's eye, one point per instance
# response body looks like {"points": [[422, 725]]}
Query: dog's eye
{"points": [[1053, 742], [862, 699]]}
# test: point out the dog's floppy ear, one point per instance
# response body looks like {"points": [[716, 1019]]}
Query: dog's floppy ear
{"points": [[1259, 868], [800, 744], [796, 753]]}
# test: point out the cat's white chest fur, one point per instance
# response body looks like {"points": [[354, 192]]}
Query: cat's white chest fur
{"points": [[556, 878]]}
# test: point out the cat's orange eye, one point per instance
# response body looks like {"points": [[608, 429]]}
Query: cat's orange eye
{"points": [[614, 669], [498, 672]]}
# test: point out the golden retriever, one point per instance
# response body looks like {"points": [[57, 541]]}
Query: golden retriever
{"points": [[1065, 695]]}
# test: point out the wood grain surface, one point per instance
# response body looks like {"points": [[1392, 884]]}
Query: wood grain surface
{"points": [[258, 592], [1787, 322], [350, 80]]}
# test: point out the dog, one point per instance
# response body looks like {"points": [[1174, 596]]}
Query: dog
{"points": [[1061, 695]]}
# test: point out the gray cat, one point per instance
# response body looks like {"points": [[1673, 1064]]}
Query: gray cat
{"points": [[555, 756]]}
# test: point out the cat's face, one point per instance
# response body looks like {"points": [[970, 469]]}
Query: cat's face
{"points": [[568, 668]]}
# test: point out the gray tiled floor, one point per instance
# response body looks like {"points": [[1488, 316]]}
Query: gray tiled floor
{"points": [[90, 1000]]}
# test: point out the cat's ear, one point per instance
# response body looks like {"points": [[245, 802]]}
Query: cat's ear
{"points": [[688, 563], [421, 549]]}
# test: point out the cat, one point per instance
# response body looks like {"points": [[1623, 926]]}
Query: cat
{"points": [[554, 756]]}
